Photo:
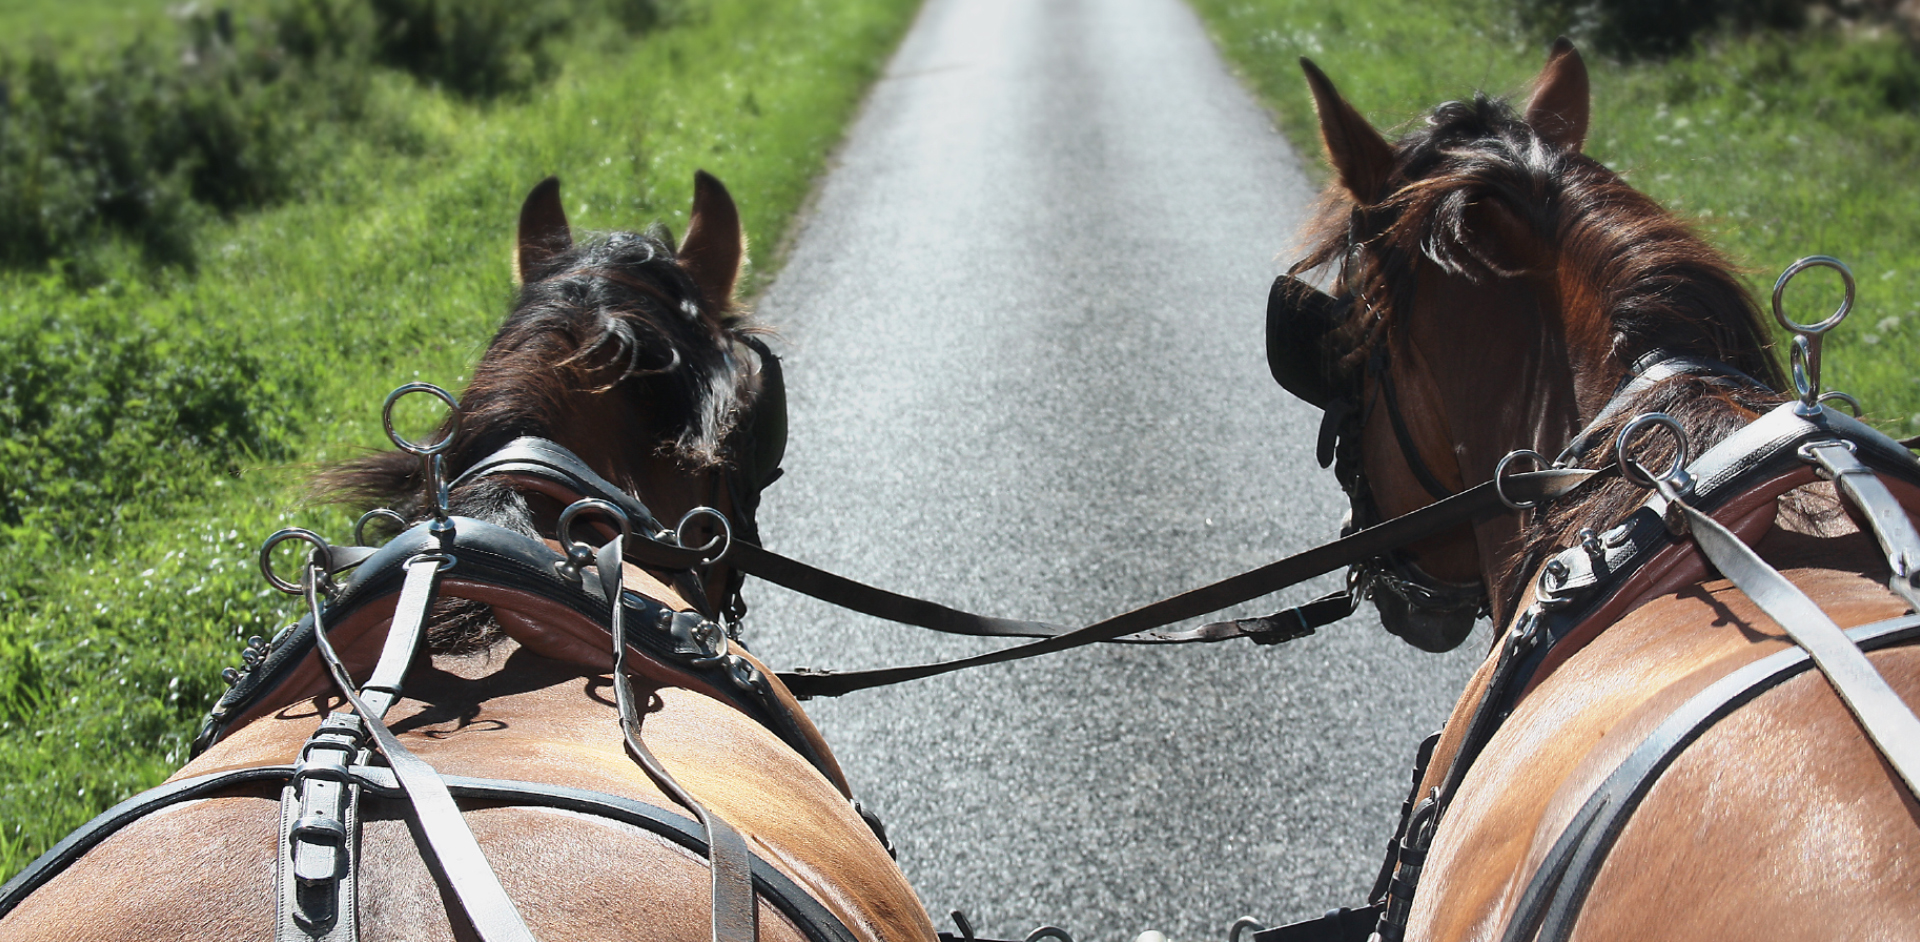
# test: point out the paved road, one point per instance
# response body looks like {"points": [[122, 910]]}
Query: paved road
{"points": [[1023, 336]]}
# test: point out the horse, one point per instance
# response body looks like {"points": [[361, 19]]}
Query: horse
{"points": [[626, 373], [1492, 295]]}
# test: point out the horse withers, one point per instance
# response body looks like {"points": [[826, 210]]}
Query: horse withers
{"points": [[1645, 754], [693, 800]]}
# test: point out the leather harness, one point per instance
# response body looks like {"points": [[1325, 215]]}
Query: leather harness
{"points": [[321, 792], [1586, 587]]}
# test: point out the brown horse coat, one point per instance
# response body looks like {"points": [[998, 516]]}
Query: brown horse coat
{"points": [[1510, 280]]}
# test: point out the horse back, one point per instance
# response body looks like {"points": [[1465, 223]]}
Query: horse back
{"points": [[1738, 838], [206, 869]]}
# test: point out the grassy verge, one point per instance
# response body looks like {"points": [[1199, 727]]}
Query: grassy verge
{"points": [[161, 420], [1776, 145]]}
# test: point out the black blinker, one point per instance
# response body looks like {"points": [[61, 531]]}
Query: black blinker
{"points": [[767, 436], [1299, 318]]}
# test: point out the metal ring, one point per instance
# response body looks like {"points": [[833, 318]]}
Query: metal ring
{"points": [[1244, 924], [320, 546], [359, 526], [723, 539], [1048, 932], [611, 509], [453, 406], [1780, 288], [1500, 477], [1847, 398], [1632, 470]]}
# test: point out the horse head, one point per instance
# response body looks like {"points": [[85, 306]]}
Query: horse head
{"points": [[1491, 286], [633, 355]]}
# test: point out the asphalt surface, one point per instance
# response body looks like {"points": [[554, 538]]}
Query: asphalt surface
{"points": [[1023, 338]]}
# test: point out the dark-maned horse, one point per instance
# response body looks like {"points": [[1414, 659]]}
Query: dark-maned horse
{"points": [[632, 355], [1493, 289]]}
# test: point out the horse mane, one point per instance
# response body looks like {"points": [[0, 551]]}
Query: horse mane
{"points": [[1633, 279], [615, 314]]}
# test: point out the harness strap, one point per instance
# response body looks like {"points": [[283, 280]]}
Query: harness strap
{"points": [[1411, 451], [1885, 516], [447, 845], [1653, 368], [816, 922], [1559, 887], [734, 910], [1882, 714], [318, 859], [1468, 505]]}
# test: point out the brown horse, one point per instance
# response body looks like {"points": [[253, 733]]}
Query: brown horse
{"points": [[1497, 290], [633, 356]]}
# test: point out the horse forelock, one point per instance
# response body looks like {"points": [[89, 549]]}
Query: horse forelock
{"points": [[619, 315], [614, 315]]}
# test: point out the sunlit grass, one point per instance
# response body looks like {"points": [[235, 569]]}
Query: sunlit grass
{"points": [[1777, 147], [395, 268]]}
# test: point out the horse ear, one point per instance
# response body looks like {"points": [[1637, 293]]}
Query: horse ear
{"points": [[1358, 153], [543, 230], [1561, 100], [715, 246]]}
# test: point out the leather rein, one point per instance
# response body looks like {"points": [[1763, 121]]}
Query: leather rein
{"points": [[548, 462]]}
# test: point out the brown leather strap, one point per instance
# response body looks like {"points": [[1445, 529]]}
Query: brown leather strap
{"points": [[1469, 505], [735, 914]]}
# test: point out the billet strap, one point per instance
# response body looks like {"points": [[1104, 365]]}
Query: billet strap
{"points": [[318, 856], [735, 914], [1465, 507], [448, 845], [1554, 895]]}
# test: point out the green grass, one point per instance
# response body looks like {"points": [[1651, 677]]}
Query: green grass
{"points": [[1776, 146], [77, 23], [195, 402]]}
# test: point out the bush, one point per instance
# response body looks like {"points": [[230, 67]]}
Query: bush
{"points": [[139, 149], [1629, 29], [145, 145], [87, 402]]}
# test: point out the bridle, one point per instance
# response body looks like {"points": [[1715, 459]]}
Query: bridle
{"points": [[1430, 613]]}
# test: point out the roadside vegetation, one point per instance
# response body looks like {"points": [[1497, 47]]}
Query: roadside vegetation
{"points": [[1781, 129], [227, 231]]}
